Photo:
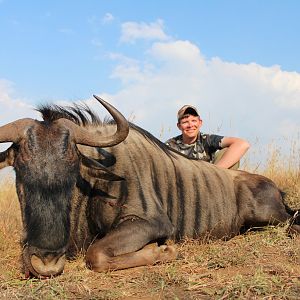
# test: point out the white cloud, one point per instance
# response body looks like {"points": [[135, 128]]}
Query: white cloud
{"points": [[246, 100], [289, 82], [176, 51], [129, 70], [11, 107], [108, 18], [132, 31]]}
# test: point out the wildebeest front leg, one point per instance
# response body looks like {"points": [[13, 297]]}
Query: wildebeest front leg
{"points": [[127, 246]]}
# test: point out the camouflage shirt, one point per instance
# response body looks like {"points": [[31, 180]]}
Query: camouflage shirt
{"points": [[204, 148]]}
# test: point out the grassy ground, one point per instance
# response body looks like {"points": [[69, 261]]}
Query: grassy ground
{"points": [[257, 265]]}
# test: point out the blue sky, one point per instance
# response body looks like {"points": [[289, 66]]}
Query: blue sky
{"points": [[237, 61]]}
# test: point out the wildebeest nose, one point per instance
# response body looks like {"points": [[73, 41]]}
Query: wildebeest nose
{"points": [[49, 265]]}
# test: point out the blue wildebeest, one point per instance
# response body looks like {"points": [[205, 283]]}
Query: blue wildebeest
{"points": [[114, 190]]}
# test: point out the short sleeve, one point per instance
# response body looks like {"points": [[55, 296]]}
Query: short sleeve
{"points": [[214, 142]]}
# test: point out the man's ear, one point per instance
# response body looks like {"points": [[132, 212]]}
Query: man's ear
{"points": [[178, 126]]}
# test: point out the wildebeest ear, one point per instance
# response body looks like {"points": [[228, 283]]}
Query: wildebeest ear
{"points": [[7, 157], [97, 170]]}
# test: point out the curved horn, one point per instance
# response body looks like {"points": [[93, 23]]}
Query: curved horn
{"points": [[14, 131], [122, 124], [94, 139]]}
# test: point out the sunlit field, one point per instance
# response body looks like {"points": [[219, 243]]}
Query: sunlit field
{"points": [[263, 264]]}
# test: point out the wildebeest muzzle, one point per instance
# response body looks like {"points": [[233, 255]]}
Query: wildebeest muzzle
{"points": [[43, 263]]}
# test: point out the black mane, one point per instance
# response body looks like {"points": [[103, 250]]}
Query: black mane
{"points": [[80, 114]]}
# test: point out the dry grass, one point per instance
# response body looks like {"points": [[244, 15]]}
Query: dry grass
{"points": [[257, 265]]}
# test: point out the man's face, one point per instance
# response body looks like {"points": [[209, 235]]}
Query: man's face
{"points": [[190, 126]]}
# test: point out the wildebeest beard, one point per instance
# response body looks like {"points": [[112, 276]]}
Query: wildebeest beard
{"points": [[47, 205]]}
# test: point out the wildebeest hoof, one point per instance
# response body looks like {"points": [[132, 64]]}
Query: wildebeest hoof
{"points": [[164, 253]]}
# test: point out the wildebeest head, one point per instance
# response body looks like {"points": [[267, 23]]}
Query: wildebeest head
{"points": [[47, 165]]}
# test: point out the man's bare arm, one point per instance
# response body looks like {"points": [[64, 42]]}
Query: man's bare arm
{"points": [[236, 149]]}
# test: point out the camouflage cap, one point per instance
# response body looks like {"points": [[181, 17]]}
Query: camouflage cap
{"points": [[185, 110]]}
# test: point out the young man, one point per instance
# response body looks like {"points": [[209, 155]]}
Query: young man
{"points": [[223, 151]]}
